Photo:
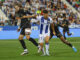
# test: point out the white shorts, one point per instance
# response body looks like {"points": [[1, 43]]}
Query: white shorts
{"points": [[42, 37], [27, 31]]}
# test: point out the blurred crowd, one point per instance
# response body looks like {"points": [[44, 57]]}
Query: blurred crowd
{"points": [[75, 3], [56, 9]]}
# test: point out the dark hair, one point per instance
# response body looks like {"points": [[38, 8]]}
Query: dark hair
{"points": [[19, 5], [45, 11]]}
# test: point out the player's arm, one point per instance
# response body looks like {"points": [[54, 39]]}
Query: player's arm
{"points": [[29, 16], [37, 19], [17, 18], [19, 27], [52, 26]]}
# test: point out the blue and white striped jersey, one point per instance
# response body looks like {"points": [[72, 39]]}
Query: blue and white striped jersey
{"points": [[44, 24]]}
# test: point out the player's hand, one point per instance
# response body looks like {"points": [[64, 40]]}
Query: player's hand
{"points": [[24, 17], [18, 29], [63, 24], [34, 15], [17, 18], [54, 33]]}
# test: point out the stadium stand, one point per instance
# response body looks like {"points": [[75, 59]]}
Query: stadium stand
{"points": [[56, 8]]}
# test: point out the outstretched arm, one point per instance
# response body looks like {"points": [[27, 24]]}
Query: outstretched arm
{"points": [[29, 16]]}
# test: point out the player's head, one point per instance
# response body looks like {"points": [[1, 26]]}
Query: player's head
{"points": [[45, 13], [18, 6]]}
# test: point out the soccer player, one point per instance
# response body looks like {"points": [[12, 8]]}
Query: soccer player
{"points": [[59, 35], [25, 27], [65, 24], [45, 22]]}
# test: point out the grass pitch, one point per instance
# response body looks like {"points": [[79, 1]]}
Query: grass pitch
{"points": [[11, 50]]}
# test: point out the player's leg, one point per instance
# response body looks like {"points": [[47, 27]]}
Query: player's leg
{"points": [[22, 41], [67, 43], [22, 34], [27, 33], [47, 44], [68, 33], [51, 35], [23, 44], [32, 40], [64, 34], [41, 41]]}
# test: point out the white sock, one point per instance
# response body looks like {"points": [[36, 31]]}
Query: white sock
{"points": [[39, 46], [73, 47], [25, 50], [39, 49], [47, 46], [43, 50]]}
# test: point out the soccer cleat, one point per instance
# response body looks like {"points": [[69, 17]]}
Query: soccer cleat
{"points": [[43, 54], [25, 52], [75, 50], [47, 53]]}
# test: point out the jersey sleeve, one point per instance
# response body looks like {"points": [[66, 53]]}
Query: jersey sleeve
{"points": [[51, 21], [38, 18]]}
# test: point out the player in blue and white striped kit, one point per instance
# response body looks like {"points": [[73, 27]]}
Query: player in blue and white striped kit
{"points": [[45, 22]]}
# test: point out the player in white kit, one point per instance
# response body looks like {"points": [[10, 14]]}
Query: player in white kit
{"points": [[45, 22]]}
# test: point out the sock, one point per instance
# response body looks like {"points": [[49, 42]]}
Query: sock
{"points": [[33, 41], [64, 37], [25, 50], [23, 44], [70, 45], [43, 51], [73, 47], [39, 49], [47, 46]]}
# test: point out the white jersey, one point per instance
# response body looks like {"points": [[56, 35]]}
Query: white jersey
{"points": [[44, 28], [44, 24]]}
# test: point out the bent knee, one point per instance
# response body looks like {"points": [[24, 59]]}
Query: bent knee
{"points": [[47, 41], [28, 37], [20, 38]]}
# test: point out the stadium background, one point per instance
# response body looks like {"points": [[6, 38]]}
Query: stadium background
{"points": [[10, 32], [10, 47], [8, 28]]}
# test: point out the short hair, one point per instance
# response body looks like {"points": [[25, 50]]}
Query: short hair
{"points": [[45, 11]]}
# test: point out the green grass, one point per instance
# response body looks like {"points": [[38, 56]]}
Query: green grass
{"points": [[11, 49]]}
